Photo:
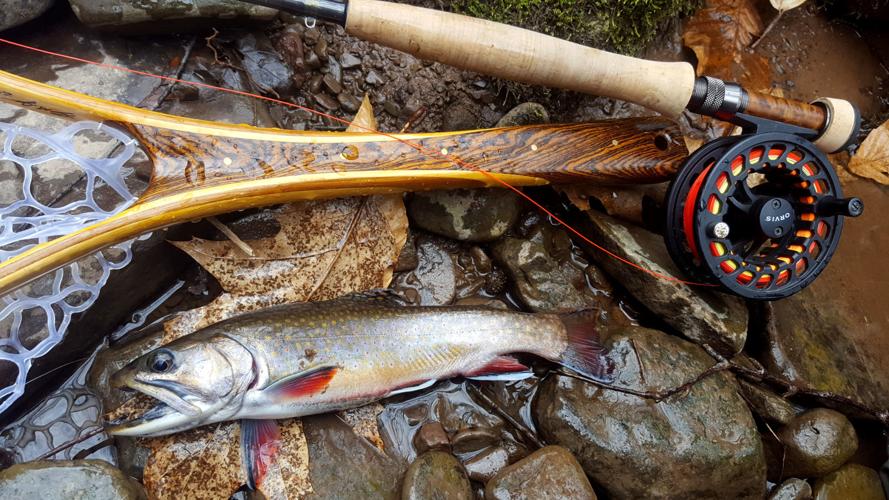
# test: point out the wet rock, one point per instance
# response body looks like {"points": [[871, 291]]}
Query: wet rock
{"points": [[321, 48], [461, 115], [703, 316], [768, 405], [349, 61], [330, 83], [94, 479], [486, 464], [817, 442], [349, 102], [334, 68], [528, 113], [154, 13], [263, 63], [547, 274], [636, 448], [807, 342], [392, 108], [473, 439], [312, 60], [434, 280], [327, 101], [548, 473], [315, 84], [344, 465], [373, 78], [16, 12], [792, 489], [431, 436], [436, 475], [851, 482], [478, 215]]}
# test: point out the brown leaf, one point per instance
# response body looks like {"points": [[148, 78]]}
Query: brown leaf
{"points": [[203, 463], [325, 249], [720, 35], [872, 158]]}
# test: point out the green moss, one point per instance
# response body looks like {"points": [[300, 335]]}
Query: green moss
{"points": [[622, 25]]}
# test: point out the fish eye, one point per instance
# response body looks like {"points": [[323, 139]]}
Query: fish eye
{"points": [[161, 362]]}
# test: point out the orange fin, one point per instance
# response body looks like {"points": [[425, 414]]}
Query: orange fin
{"points": [[498, 366], [302, 384], [260, 442]]}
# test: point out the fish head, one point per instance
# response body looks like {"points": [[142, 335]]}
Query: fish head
{"points": [[196, 380]]}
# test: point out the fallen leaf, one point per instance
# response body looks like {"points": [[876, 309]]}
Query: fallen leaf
{"points": [[785, 5], [872, 158], [720, 35], [324, 249]]}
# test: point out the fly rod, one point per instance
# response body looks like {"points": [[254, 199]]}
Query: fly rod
{"points": [[762, 241]]}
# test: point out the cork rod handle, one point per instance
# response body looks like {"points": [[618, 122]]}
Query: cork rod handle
{"points": [[521, 55]]}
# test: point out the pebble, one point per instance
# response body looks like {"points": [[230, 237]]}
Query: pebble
{"points": [[486, 464], [373, 78], [473, 439], [817, 442], [326, 101], [312, 35], [461, 115], [321, 48], [94, 479], [350, 61], [392, 108], [331, 83], [334, 68], [436, 475], [528, 113], [548, 473], [792, 489], [349, 102], [315, 84], [431, 436], [768, 405], [312, 61], [851, 482], [477, 215]]}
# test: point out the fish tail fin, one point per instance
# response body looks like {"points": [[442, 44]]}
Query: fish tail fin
{"points": [[585, 353]]}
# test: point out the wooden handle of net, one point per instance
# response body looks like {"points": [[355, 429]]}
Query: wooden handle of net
{"points": [[526, 56]]}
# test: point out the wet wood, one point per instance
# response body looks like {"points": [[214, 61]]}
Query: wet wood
{"points": [[620, 151], [205, 168], [787, 111]]}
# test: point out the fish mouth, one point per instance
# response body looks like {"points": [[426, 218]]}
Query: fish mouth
{"points": [[166, 392], [159, 420]]}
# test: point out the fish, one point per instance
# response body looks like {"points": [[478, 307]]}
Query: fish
{"points": [[316, 357]]}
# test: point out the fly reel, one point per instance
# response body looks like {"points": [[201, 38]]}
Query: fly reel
{"points": [[759, 214]]}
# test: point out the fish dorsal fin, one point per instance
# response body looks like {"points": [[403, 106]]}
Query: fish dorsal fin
{"points": [[260, 441], [302, 384], [386, 295]]}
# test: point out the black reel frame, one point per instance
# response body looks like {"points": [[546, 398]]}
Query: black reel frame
{"points": [[760, 214]]}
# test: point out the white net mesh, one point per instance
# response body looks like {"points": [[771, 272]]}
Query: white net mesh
{"points": [[35, 317]]}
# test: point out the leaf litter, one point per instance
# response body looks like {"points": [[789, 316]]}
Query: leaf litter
{"points": [[324, 249], [872, 158]]}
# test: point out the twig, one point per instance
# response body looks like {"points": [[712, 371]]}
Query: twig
{"points": [[94, 448], [65, 446], [415, 118], [152, 101], [767, 30], [247, 249], [521, 428], [657, 396]]}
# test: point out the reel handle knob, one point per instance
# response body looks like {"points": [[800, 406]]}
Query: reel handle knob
{"points": [[848, 207]]}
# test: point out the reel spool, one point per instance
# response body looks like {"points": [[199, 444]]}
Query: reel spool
{"points": [[759, 214]]}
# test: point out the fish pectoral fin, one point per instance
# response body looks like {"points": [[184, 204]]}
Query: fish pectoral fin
{"points": [[412, 388], [301, 384], [260, 441]]}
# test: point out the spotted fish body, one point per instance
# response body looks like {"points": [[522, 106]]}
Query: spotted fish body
{"points": [[310, 358], [379, 348]]}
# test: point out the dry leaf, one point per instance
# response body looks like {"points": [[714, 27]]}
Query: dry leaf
{"points": [[785, 5], [324, 249], [720, 35], [872, 158]]}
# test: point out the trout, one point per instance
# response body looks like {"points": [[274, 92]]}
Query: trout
{"points": [[308, 358]]}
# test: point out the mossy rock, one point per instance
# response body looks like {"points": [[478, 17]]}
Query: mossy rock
{"points": [[624, 26]]}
